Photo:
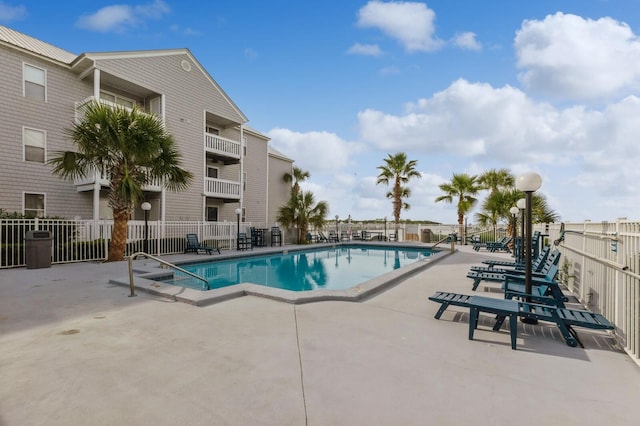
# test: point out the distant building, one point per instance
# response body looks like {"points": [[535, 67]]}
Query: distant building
{"points": [[44, 89]]}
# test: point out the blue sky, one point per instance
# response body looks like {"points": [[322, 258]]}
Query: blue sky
{"points": [[459, 85]]}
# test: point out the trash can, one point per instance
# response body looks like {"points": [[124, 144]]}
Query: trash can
{"points": [[426, 235], [38, 249]]}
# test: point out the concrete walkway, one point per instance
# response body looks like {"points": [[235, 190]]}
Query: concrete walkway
{"points": [[75, 350]]}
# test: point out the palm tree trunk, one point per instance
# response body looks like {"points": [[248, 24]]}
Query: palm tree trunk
{"points": [[118, 236]]}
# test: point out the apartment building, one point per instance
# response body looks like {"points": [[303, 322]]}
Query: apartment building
{"points": [[44, 89]]}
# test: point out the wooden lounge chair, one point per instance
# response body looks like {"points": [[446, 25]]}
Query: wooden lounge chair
{"points": [[193, 245], [478, 276], [564, 318]]}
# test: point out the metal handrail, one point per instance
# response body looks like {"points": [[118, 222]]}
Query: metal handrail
{"points": [[445, 239], [164, 262]]}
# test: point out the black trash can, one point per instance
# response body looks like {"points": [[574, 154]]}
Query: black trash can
{"points": [[38, 246]]}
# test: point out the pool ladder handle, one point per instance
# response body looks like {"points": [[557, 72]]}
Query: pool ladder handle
{"points": [[163, 262], [445, 239]]}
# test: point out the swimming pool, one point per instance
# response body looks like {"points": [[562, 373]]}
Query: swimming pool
{"points": [[329, 268]]}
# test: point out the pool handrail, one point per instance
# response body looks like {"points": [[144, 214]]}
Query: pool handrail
{"points": [[163, 262]]}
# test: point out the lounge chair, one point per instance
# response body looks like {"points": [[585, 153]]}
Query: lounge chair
{"points": [[564, 318], [478, 276], [543, 290], [500, 245], [333, 237], [506, 266], [193, 245], [344, 236], [356, 235], [322, 238]]}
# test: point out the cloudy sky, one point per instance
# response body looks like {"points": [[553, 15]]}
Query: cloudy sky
{"points": [[461, 86]]}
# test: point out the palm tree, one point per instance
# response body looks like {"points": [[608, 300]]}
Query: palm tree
{"points": [[296, 176], [133, 149], [462, 188], [399, 171], [494, 179], [302, 211]]}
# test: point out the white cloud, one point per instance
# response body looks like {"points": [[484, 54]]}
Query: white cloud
{"points": [[412, 24], [391, 70], [467, 41], [120, 18], [578, 58], [10, 13], [321, 151], [365, 50], [250, 54]]}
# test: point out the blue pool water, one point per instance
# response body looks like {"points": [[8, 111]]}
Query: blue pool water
{"points": [[331, 268]]}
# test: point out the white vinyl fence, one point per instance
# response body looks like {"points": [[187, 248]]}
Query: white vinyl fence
{"points": [[88, 240], [600, 264]]}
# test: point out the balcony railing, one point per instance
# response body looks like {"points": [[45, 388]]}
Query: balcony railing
{"points": [[222, 146], [221, 188], [103, 178]]}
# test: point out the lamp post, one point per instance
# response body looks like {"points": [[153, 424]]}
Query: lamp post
{"points": [[385, 228], [349, 221], [528, 183], [238, 213], [514, 231], [521, 204], [337, 232], [146, 206]]}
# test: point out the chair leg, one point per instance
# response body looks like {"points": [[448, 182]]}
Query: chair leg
{"points": [[473, 321]]}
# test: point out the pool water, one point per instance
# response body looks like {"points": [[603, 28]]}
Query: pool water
{"points": [[331, 268]]}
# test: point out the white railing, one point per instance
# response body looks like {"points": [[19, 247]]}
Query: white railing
{"points": [[104, 178], [601, 266], [221, 188], [222, 146], [88, 240]]}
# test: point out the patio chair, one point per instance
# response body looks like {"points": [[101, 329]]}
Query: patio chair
{"points": [[392, 237], [356, 235], [543, 290], [322, 238], [244, 242], [344, 236], [565, 319], [500, 245], [193, 245], [552, 260], [276, 236], [333, 237]]}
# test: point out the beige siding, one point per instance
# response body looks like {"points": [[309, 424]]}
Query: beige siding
{"points": [[189, 97], [53, 116], [279, 190]]}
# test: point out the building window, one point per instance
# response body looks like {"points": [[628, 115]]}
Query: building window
{"points": [[35, 83], [117, 99], [244, 214], [33, 205], [212, 172], [244, 146], [244, 181], [34, 145], [212, 130], [212, 214]]}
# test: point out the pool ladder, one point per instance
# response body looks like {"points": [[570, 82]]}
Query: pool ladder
{"points": [[163, 262], [445, 239]]}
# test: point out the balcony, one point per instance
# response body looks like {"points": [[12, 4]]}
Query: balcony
{"points": [[221, 188], [103, 179], [222, 149]]}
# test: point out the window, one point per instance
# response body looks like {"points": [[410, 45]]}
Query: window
{"points": [[212, 214], [244, 146], [34, 145], [212, 172], [244, 214], [117, 99], [212, 130], [35, 83], [33, 205], [244, 181]]}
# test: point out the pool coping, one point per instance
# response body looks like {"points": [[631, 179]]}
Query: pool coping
{"points": [[147, 270]]}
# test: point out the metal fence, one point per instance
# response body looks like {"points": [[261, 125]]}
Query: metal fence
{"points": [[601, 266]]}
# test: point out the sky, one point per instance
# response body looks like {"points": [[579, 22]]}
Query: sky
{"points": [[460, 86]]}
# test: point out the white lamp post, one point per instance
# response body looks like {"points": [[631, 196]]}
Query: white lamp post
{"points": [[238, 213], [528, 183], [337, 232], [146, 206]]}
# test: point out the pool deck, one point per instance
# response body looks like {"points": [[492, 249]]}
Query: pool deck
{"points": [[75, 350]]}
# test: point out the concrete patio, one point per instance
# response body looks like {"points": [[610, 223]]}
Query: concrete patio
{"points": [[75, 350]]}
